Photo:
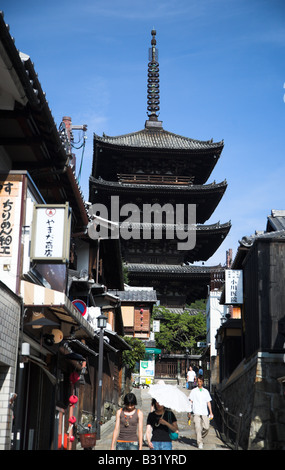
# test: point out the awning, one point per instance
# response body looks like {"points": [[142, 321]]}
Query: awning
{"points": [[77, 345], [107, 347], [117, 341], [153, 351], [37, 296]]}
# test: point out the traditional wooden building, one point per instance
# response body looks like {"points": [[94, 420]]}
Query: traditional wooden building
{"points": [[154, 174], [136, 306], [251, 349], [48, 350]]}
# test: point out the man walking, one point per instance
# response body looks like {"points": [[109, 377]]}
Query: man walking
{"points": [[191, 377], [201, 401]]}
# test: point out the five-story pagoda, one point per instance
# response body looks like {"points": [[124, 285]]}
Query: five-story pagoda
{"points": [[147, 174]]}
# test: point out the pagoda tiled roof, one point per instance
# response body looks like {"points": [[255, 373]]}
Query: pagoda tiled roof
{"points": [[163, 187], [159, 139], [200, 228], [168, 269]]}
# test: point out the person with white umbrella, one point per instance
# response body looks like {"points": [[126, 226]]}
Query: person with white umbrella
{"points": [[160, 423], [170, 396]]}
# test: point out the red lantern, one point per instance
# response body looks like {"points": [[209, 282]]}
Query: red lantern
{"points": [[73, 399], [71, 438], [72, 420], [74, 377]]}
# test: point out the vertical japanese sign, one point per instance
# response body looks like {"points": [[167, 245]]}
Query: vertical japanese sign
{"points": [[9, 191], [156, 326], [233, 286], [51, 233]]}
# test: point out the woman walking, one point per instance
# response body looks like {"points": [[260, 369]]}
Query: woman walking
{"points": [[128, 432], [160, 422]]}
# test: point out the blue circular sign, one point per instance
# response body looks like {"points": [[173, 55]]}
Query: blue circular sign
{"points": [[80, 305]]}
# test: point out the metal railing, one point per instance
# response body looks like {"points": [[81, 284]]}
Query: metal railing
{"points": [[155, 179], [229, 425]]}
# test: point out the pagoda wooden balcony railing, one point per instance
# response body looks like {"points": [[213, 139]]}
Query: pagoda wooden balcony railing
{"points": [[155, 179]]}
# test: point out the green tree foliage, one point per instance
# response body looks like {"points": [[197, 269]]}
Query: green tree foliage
{"points": [[125, 274], [181, 331], [137, 353]]}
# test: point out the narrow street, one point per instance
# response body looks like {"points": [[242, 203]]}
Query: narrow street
{"points": [[187, 437]]}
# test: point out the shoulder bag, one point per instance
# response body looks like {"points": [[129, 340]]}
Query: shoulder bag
{"points": [[173, 435]]}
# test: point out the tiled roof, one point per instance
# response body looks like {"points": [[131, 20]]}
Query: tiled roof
{"points": [[248, 241], [139, 295], [275, 229], [172, 269], [197, 228], [168, 187], [276, 221], [180, 311], [160, 139]]}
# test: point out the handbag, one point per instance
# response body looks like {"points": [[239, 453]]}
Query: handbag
{"points": [[173, 435]]}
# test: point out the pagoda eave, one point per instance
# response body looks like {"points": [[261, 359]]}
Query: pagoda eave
{"points": [[157, 141], [206, 197], [164, 188], [207, 240], [172, 270], [176, 286]]}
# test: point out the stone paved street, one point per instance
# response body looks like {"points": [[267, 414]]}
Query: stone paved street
{"points": [[187, 437]]}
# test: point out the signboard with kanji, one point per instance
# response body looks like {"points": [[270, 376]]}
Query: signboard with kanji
{"points": [[9, 191], [233, 286], [51, 233]]}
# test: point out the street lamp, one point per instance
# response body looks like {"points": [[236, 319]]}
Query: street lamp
{"points": [[101, 323]]}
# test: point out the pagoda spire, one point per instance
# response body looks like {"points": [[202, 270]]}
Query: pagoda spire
{"points": [[153, 85]]}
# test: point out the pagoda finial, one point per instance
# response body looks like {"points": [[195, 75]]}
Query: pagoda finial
{"points": [[153, 80]]}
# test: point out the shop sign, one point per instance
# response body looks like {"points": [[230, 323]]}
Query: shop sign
{"points": [[9, 191], [51, 233], [233, 286]]}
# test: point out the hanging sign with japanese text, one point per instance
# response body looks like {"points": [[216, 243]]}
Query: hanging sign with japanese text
{"points": [[233, 286], [51, 233], [9, 191]]}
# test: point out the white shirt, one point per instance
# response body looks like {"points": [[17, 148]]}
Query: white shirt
{"points": [[200, 398], [191, 374]]}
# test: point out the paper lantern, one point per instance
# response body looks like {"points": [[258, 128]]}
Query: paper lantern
{"points": [[37, 316], [74, 377], [58, 335], [73, 399], [72, 420]]}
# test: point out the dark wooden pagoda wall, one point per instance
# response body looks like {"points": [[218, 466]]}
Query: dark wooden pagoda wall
{"points": [[136, 161]]}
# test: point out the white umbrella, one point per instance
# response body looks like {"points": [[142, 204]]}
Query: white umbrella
{"points": [[170, 397]]}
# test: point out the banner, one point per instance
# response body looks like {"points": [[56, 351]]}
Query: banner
{"points": [[51, 233], [233, 286]]}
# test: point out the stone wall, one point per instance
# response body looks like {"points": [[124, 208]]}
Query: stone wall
{"points": [[254, 390], [10, 314]]}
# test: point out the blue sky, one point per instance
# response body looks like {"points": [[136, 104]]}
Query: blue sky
{"points": [[222, 76]]}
